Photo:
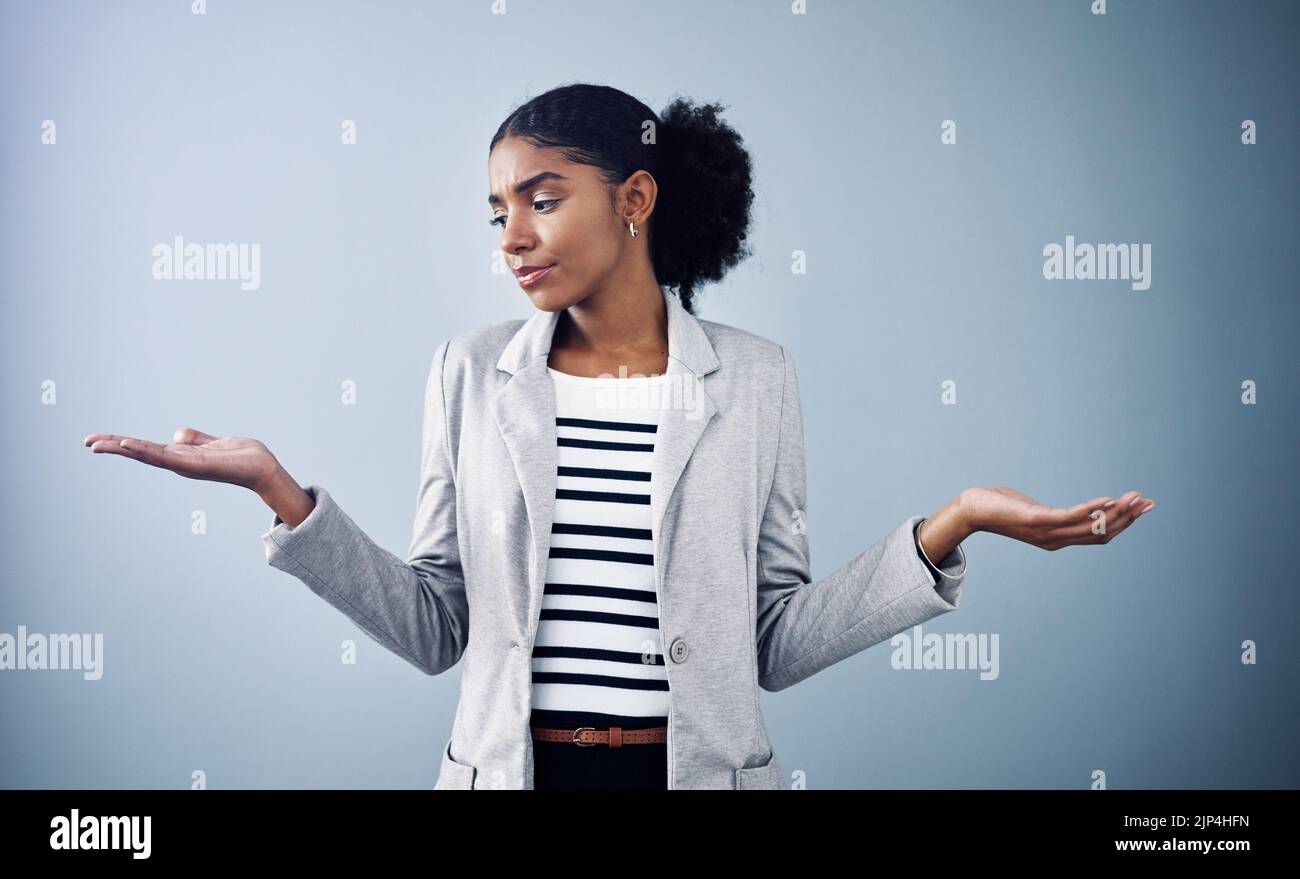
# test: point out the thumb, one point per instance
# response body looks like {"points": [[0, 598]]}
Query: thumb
{"points": [[190, 437]]}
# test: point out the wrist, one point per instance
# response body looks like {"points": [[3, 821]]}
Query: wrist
{"points": [[939, 535], [280, 491], [271, 483], [290, 501], [964, 514]]}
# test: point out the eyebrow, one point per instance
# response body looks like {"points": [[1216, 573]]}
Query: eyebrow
{"points": [[524, 185]]}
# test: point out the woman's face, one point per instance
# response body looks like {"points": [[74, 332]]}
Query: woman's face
{"points": [[561, 217]]}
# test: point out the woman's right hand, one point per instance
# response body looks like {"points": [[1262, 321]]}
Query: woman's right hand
{"points": [[238, 460]]}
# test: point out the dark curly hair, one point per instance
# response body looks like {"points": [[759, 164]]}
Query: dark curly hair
{"points": [[701, 217]]}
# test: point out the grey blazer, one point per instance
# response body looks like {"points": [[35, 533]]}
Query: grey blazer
{"points": [[738, 608]]}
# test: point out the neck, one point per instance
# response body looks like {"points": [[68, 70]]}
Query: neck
{"points": [[616, 319]]}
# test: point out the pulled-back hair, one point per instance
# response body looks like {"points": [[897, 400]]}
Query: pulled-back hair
{"points": [[701, 216]]}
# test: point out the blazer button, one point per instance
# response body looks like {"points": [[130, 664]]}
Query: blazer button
{"points": [[678, 650]]}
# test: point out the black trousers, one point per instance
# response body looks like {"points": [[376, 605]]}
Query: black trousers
{"points": [[566, 766]]}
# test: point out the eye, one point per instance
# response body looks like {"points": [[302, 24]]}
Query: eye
{"points": [[501, 220]]}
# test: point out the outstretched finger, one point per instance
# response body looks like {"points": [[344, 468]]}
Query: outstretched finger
{"points": [[115, 447], [1135, 503], [1091, 537], [1082, 511], [176, 458], [96, 437], [130, 447], [1111, 507], [1067, 517], [1114, 520], [147, 450], [107, 443]]}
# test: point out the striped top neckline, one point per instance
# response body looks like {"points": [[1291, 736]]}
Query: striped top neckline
{"points": [[601, 380]]}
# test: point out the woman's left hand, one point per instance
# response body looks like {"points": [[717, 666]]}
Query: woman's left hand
{"points": [[1005, 511]]}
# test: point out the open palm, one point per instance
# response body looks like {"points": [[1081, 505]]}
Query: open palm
{"points": [[1005, 511], [238, 460]]}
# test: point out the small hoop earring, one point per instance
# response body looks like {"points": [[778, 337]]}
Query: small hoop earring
{"points": [[632, 228]]}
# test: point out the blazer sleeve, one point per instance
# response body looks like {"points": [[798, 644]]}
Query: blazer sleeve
{"points": [[416, 608], [804, 626]]}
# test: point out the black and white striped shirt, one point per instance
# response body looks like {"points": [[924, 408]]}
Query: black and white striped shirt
{"points": [[598, 658]]}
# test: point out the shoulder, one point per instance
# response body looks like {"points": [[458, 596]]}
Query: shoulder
{"points": [[477, 349], [756, 373], [745, 351]]}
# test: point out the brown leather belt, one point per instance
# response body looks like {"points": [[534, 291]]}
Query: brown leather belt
{"points": [[615, 736]]}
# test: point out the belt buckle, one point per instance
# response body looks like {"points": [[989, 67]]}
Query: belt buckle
{"points": [[574, 738]]}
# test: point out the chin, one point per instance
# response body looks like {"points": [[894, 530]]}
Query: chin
{"points": [[551, 300]]}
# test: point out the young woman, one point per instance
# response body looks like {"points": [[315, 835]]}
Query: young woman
{"points": [[610, 521]]}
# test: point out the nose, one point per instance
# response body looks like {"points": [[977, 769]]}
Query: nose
{"points": [[516, 237]]}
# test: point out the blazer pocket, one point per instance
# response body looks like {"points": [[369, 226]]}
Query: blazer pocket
{"points": [[455, 775], [766, 776]]}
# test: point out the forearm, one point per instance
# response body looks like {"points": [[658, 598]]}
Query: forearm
{"points": [[418, 609], [286, 497], [940, 534]]}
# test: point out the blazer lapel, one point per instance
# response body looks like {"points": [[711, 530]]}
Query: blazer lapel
{"points": [[525, 414], [681, 425], [524, 410]]}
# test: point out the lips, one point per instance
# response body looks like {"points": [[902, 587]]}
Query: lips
{"points": [[522, 271], [529, 275]]}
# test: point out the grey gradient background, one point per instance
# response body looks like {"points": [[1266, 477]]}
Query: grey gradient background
{"points": [[924, 264]]}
